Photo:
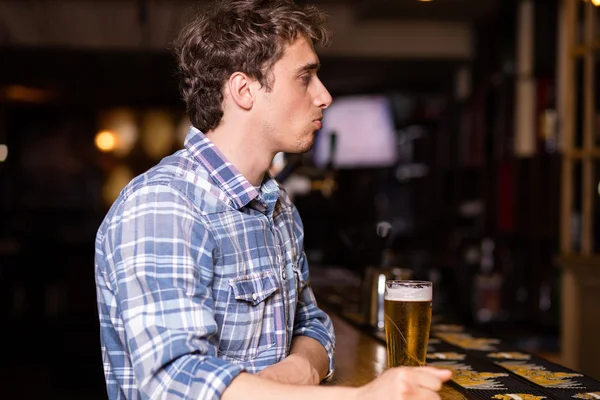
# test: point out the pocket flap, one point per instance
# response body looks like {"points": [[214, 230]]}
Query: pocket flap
{"points": [[254, 288], [302, 282]]}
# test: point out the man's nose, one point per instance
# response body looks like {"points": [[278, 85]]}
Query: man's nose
{"points": [[323, 98]]}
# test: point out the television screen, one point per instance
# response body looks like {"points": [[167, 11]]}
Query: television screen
{"points": [[365, 134]]}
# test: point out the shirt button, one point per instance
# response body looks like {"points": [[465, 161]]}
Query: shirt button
{"points": [[254, 296], [283, 275]]}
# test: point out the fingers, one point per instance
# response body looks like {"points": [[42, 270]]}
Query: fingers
{"points": [[407, 383], [443, 374], [428, 378], [425, 378]]}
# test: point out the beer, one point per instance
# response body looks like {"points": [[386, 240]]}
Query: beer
{"points": [[407, 309]]}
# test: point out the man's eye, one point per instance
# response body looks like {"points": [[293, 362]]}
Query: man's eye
{"points": [[305, 78]]}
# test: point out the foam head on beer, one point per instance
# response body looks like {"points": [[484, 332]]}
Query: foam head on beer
{"points": [[413, 291]]}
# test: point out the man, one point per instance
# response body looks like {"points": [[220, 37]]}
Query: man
{"points": [[201, 277]]}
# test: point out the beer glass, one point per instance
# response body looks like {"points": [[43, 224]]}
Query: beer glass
{"points": [[407, 308]]}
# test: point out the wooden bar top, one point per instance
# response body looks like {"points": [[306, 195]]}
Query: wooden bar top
{"points": [[360, 358]]}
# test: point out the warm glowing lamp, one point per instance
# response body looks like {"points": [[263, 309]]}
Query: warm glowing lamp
{"points": [[596, 2], [26, 94], [106, 141], [3, 152], [123, 123]]}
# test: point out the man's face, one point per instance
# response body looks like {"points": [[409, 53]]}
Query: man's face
{"points": [[291, 112]]}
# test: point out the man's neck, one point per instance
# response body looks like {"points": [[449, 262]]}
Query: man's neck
{"points": [[244, 150]]}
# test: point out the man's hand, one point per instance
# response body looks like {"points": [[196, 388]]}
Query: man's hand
{"points": [[294, 369], [406, 383]]}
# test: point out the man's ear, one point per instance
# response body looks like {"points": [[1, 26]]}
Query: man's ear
{"points": [[240, 90]]}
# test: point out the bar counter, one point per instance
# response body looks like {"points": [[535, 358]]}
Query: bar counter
{"points": [[483, 367], [360, 358]]}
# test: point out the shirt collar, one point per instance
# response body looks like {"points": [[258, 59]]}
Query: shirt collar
{"points": [[226, 176]]}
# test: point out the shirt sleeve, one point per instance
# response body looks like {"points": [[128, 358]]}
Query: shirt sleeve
{"points": [[310, 320], [160, 258]]}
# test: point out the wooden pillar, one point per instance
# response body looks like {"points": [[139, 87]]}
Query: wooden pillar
{"points": [[525, 119], [566, 109]]}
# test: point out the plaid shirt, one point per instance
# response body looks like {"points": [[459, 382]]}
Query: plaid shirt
{"points": [[199, 277]]}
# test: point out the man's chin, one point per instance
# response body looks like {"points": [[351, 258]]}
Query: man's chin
{"points": [[302, 146], [305, 147]]}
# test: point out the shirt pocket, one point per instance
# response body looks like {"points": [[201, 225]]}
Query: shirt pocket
{"points": [[248, 327]]}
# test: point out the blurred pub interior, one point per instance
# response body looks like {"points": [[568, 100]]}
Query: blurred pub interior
{"points": [[462, 145]]}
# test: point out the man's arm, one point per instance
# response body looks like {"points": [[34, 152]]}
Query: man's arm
{"points": [[312, 350], [307, 364], [313, 329], [159, 259], [405, 383], [310, 359]]}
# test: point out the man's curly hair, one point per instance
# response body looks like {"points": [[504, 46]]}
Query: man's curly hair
{"points": [[246, 36]]}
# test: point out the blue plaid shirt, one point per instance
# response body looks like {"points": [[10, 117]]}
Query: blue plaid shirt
{"points": [[199, 277]]}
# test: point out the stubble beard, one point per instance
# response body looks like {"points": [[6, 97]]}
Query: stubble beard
{"points": [[306, 143]]}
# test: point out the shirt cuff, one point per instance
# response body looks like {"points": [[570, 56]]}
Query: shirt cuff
{"points": [[217, 374], [329, 375]]}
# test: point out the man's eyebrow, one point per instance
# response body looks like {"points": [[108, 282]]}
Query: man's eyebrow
{"points": [[313, 66]]}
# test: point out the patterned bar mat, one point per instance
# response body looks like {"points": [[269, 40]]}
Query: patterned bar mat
{"points": [[536, 376], [477, 378]]}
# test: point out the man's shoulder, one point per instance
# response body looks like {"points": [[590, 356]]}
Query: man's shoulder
{"points": [[180, 177]]}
